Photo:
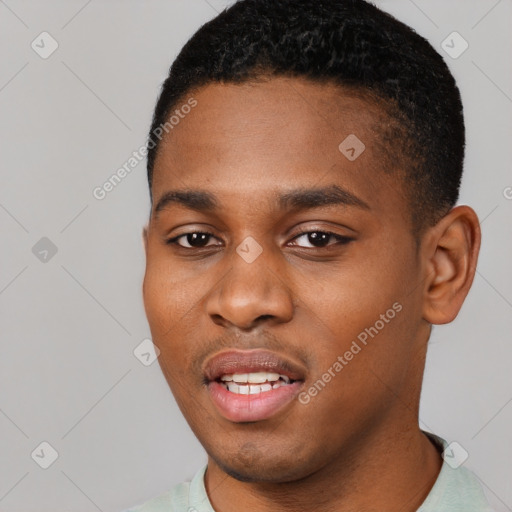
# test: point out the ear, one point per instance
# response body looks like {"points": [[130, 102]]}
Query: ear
{"points": [[145, 239], [452, 252]]}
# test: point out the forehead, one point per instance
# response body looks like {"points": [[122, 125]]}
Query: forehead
{"points": [[253, 138]]}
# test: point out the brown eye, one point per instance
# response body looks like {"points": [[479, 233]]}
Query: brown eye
{"points": [[194, 240], [320, 239]]}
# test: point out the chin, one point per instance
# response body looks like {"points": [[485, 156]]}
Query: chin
{"points": [[250, 464]]}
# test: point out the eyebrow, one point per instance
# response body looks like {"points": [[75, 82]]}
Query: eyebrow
{"points": [[298, 199]]}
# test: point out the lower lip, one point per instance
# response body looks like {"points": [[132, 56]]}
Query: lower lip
{"points": [[257, 407]]}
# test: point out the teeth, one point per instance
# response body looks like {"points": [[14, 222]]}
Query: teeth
{"points": [[234, 388], [254, 378], [254, 390], [261, 377], [253, 383]]}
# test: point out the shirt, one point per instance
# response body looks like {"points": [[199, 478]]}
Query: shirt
{"points": [[455, 490]]}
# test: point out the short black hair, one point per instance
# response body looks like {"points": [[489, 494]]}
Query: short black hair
{"points": [[350, 43]]}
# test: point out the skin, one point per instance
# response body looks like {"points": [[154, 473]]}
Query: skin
{"points": [[359, 437]]}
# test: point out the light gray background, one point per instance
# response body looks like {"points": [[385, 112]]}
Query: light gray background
{"points": [[69, 326]]}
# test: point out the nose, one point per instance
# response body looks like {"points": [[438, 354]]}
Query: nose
{"points": [[251, 294]]}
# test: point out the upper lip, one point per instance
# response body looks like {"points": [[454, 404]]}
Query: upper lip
{"points": [[248, 361]]}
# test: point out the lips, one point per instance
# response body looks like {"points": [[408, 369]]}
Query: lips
{"points": [[231, 377], [251, 361]]}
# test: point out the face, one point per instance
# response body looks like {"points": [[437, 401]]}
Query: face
{"points": [[276, 258]]}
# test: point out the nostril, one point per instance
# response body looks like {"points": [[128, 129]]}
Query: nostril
{"points": [[264, 317]]}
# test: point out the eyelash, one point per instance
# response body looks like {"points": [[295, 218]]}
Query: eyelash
{"points": [[340, 239]]}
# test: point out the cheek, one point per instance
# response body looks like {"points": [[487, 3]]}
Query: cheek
{"points": [[164, 306], [171, 300], [166, 294], [345, 299], [366, 314]]}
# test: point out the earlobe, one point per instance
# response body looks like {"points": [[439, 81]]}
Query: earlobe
{"points": [[451, 264]]}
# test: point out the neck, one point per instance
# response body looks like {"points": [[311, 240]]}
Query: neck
{"points": [[386, 471]]}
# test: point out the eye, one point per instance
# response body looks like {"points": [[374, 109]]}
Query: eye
{"points": [[193, 240], [315, 238], [320, 239]]}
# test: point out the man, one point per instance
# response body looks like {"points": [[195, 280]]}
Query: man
{"points": [[304, 164]]}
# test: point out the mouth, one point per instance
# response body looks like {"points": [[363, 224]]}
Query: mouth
{"points": [[252, 385]]}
